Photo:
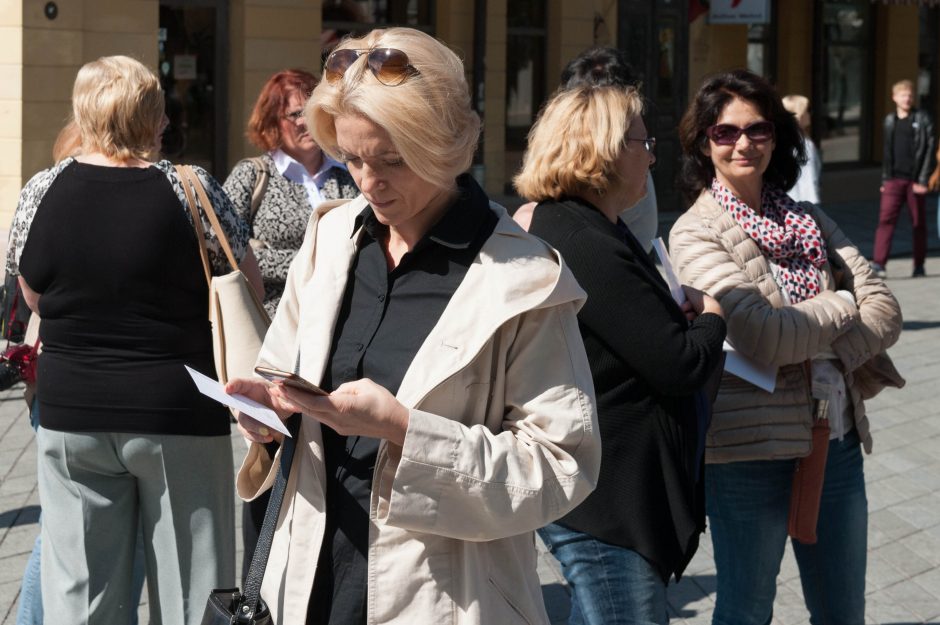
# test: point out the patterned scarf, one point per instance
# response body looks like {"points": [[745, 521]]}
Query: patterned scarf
{"points": [[787, 236]]}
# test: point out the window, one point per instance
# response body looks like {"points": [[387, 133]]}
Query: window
{"points": [[844, 114], [927, 60], [192, 45], [357, 17], [525, 68], [760, 50]]}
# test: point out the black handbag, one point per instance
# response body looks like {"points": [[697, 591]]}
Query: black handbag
{"points": [[229, 606]]}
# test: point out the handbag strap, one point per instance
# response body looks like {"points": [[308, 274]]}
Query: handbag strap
{"points": [[261, 186], [191, 183], [197, 221], [252, 590]]}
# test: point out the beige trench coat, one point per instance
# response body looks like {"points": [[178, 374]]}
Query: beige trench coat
{"points": [[502, 437]]}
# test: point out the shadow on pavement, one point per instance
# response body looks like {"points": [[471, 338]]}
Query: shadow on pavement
{"points": [[920, 325], [20, 516]]}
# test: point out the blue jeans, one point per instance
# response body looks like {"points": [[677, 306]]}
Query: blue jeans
{"points": [[748, 505], [610, 585], [29, 611]]}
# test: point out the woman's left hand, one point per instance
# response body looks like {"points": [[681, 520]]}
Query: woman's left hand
{"points": [[360, 408]]}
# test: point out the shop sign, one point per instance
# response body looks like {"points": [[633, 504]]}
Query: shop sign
{"points": [[184, 67], [739, 12]]}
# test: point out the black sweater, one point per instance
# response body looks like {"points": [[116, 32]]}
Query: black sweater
{"points": [[647, 362], [123, 306]]}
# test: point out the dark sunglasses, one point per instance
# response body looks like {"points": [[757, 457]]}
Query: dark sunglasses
{"points": [[726, 134], [389, 66]]}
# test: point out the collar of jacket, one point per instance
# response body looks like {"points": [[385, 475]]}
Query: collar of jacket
{"points": [[514, 272]]}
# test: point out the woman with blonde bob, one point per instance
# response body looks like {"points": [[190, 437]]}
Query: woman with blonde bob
{"points": [[105, 249], [460, 415], [587, 160]]}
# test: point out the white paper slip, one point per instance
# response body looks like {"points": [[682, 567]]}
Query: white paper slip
{"points": [[212, 389], [675, 288], [761, 376]]}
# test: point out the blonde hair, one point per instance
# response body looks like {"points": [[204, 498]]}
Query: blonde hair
{"points": [[798, 105], [117, 105], [575, 141], [428, 116], [902, 84]]}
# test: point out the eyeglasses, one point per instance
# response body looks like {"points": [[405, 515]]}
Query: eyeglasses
{"points": [[727, 134], [293, 116], [649, 144], [389, 66]]}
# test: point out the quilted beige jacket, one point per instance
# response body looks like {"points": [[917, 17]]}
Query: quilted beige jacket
{"points": [[713, 253], [502, 437]]}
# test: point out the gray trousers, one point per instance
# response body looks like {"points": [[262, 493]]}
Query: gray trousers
{"points": [[94, 487]]}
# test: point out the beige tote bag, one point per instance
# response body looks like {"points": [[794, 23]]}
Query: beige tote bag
{"points": [[238, 318]]}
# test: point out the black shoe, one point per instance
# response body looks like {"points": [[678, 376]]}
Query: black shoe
{"points": [[918, 272], [878, 270]]}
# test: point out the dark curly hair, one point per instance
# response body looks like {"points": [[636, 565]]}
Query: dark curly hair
{"points": [[598, 67], [697, 170]]}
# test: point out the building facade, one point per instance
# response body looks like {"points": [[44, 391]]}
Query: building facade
{"points": [[213, 56]]}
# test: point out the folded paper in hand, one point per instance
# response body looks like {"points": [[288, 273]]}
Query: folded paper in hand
{"points": [[761, 376], [262, 414]]}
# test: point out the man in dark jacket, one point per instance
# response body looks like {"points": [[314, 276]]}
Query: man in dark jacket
{"points": [[908, 160]]}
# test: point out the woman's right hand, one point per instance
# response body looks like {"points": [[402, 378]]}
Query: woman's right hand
{"points": [[698, 302], [259, 391]]}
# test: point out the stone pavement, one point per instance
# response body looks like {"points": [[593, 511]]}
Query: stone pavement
{"points": [[903, 475]]}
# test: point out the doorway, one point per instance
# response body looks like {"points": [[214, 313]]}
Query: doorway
{"points": [[192, 41], [663, 28]]}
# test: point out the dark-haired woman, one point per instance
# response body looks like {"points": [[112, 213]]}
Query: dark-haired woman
{"points": [[799, 296]]}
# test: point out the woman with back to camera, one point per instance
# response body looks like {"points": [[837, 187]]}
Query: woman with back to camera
{"points": [[587, 161], [294, 176], [798, 296], [461, 411], [106, 252]]}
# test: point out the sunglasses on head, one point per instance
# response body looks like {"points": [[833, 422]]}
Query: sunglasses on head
{"points": [[727, 134], [389, 66]]}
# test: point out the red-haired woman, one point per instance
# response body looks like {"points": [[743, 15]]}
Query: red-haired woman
{"points": [[299, 176]]}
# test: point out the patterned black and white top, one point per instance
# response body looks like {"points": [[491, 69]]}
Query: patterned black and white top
{"points": [[236, 230], [279, 225]]}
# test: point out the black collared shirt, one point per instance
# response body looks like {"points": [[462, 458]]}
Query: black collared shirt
{"points": [[384, 318]]}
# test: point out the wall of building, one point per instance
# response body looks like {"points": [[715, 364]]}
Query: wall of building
{"points": [[11, 105], [265, 37], [795, 47], [40, 60], [714, 47], [897, 45]]}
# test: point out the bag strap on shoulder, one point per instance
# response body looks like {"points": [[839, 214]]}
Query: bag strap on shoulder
{"points": [[191, 183], [260, 188]]}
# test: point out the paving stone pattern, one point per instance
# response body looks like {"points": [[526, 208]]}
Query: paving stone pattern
{"points": [[903, 476]]}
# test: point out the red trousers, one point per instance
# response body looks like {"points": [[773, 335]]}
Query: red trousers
{"points": [[896, 192]]}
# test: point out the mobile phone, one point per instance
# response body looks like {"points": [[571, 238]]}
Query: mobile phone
{"points": [[289, 379]]}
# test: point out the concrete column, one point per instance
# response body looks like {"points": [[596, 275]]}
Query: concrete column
{"points": [[265, 37], [11, 107]]}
